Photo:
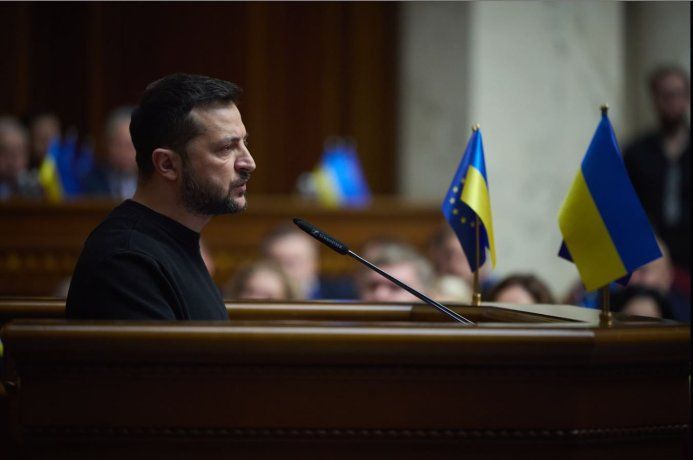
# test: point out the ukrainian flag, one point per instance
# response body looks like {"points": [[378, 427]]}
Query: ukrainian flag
{"points": [[605, 230], [339, 179], [48, 173], [467, 199]]}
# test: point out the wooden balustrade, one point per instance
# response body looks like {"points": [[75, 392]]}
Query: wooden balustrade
{"points": [[40, 242]]}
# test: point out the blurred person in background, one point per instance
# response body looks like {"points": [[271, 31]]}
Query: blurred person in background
{"points": [[659, 165], [445, 251], [115, 173], [298, 255], [520, 289], [448, 288], [44, 128], [260, 280], [15, 179], [641, 301], [658, 276], [402, 262]]}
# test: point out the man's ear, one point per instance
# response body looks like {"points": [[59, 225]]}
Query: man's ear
{"points": [[167, 163]]}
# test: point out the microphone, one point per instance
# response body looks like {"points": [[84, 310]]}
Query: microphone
{"points": [[343, 249]]}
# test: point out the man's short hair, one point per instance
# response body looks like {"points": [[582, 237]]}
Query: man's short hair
{"points": [[664, 71], [163, 120]]}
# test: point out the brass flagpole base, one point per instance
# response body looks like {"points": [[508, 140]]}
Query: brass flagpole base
{"points": [[476, 299]]}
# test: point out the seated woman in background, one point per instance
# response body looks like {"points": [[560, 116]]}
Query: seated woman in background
{"points": [[520, 289], [260, 280], [638, 300]]}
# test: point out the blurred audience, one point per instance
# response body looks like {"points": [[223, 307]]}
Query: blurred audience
{"points": [[260, 280], [44, 128], [15, 179], [449, 288], [641, 301], [445, 251], [520, 289], [659, 165], [115, 173], [402, 262], [298, 255], [658, 275]]}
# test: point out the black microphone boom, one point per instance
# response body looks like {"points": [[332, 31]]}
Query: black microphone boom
{"points": [[342, 248]]}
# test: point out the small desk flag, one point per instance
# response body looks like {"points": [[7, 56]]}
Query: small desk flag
{"points": [[605, 230], [467, 198]]}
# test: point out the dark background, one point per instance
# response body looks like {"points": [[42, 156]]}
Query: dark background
{"points": [[308, 70]]}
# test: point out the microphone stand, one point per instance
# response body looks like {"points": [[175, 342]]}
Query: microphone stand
{"points": [[442, 308]]}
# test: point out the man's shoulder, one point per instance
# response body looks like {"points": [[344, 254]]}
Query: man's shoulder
{"points": [[646, 144]]}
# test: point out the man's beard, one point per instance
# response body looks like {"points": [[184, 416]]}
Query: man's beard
{"points": [[208, 199]]}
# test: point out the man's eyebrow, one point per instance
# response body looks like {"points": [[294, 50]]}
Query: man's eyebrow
{"points": [[230, 139]]}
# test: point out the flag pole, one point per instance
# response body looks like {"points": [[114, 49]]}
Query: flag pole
{"points": [[605, 316], [476, 295]]}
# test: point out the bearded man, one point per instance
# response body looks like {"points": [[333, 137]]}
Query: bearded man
{"points": [[143, 261]]}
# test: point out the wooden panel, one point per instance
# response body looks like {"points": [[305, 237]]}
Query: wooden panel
{"points": [[309, 70], [255, 389], [40, 243]]}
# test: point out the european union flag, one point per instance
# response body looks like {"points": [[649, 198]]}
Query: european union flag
{"points": [[605, 230], [467, 199]]}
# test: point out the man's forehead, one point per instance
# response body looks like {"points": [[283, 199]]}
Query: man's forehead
{"points": [[221, 117]]}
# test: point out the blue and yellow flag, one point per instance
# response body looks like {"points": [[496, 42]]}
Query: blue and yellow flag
{"points": [[468, 198], [49, 175], [605, 230], [339, 179]]}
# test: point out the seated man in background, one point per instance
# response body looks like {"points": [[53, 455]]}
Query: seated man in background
{"points": [[402, 262], [44, 128], [445, 251], [260, 280], [143, 261], [115, 173], [298, 256], [15, 179], [641, 301]]}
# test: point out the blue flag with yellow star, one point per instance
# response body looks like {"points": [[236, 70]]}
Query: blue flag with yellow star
{"points": [[467, 200]]}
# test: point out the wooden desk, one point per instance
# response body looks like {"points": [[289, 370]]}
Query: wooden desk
{"points": [[40, 242], [538, 386]]}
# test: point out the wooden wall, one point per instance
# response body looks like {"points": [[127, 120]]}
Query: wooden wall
{"points": [[40, 243], [309, 70]]}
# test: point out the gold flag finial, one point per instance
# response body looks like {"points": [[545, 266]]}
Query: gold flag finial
{"points": [[604, 108], [476, 127]]}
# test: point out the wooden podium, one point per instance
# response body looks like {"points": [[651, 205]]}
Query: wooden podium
{"points": [[344, 381]]}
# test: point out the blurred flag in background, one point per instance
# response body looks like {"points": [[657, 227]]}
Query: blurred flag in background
{"points": [[338, 180]]}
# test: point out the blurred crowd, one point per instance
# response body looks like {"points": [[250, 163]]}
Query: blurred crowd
{"points": [[37, 156], [288, 262]]}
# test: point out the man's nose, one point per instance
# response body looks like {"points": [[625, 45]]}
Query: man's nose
{"points": [[245, 162]]}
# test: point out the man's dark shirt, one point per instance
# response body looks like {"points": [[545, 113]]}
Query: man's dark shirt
{"points": [[651, 172], [139, 264]]}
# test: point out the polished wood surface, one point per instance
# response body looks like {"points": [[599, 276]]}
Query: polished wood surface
{"points": [[40, 243], [558, 387]]}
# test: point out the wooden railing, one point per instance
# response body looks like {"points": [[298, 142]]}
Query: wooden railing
{"points": [[40, 243]]}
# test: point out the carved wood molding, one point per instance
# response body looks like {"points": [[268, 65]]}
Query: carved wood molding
{"points": [[352, 372], [570, 435]]}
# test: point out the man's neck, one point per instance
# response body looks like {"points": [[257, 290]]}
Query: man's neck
{"points": [[148, 195]]}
